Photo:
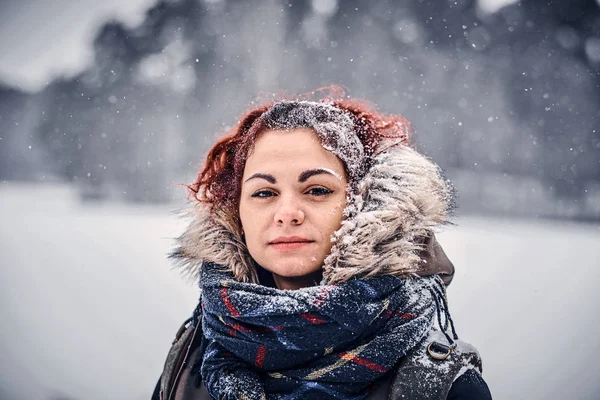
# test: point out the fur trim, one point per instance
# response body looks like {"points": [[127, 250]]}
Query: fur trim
{"points": [[209, 237], [402, 198]]}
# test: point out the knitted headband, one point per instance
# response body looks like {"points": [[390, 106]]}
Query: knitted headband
{"points": [[334, 127]]}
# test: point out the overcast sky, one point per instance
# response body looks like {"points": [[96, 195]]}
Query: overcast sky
{"points": [[40, 39]]}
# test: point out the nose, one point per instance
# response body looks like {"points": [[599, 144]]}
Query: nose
{"points": [[288, 212]]}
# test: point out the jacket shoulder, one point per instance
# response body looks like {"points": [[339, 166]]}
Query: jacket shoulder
{"points": [[420, 375], [178, 380]]}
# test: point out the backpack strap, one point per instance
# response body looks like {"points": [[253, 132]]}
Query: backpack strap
{"points": [[422, 374]]}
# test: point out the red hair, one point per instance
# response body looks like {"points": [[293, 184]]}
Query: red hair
{"points": [[218, 183]]}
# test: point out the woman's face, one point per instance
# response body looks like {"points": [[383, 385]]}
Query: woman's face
{"points": [[292, 200]]}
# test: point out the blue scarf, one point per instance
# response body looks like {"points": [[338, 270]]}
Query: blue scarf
{"points": [[326, 342]]}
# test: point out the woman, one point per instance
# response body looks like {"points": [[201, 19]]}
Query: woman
{"points": [[320, 276]]}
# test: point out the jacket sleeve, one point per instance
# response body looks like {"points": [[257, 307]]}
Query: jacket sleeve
{"points": [[469, 386], [156, 393]]}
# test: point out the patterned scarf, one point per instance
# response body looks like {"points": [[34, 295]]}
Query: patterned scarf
{"points": [[332, 341]]}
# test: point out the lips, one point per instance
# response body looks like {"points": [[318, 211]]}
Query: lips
{"points": [[290, 243], [290, 239]]}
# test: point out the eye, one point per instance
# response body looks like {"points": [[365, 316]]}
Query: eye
{"points": [[263, 193], [319, 191]]}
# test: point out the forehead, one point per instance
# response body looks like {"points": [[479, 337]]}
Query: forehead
{"points": [[290, 148]]}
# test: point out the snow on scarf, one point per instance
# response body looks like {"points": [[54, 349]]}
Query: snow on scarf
{"points": [[336, 339], [330, 341]]}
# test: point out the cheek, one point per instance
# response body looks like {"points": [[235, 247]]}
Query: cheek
{"points": [[248, 224], [253, 225], [338, 210], [243, 215], [335, 217], [251, 235]]}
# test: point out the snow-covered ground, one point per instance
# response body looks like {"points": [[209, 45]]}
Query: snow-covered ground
{"points": [[89, 303]]}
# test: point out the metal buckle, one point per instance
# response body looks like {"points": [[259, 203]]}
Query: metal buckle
{"points": [[439, 351]]}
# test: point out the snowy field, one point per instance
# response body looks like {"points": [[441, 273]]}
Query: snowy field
{"points": [[89, 303]]}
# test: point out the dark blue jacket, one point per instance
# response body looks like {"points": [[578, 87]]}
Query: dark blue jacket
{"points": [[469, 386]]}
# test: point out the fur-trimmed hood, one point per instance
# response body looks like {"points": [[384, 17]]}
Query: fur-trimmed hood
{"points": [[388, 228]]}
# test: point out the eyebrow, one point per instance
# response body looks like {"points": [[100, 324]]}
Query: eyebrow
{"points": [[312, 172], [267, 177], [302, 178]]}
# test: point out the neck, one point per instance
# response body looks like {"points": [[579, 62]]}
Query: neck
{"points": [[297, 282]]}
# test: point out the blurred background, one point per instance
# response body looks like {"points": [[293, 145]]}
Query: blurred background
{"points": [[106, 107]]}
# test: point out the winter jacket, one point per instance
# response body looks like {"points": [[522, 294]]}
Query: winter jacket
{"points": [[177, 382], [388, 230]]}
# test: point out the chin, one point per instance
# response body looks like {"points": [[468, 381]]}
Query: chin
{"points": [[294, 267]]}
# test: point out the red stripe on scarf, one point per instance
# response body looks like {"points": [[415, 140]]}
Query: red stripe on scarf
{"points": [[312, 319], [260, 356], [408, 316], [227, 302], [258, 329], [363, 362]]}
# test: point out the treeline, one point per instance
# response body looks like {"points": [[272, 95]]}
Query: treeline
{"points": [[514, 92]]}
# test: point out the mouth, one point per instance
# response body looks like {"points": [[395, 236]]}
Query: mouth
{"points": [[290, 243]]}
